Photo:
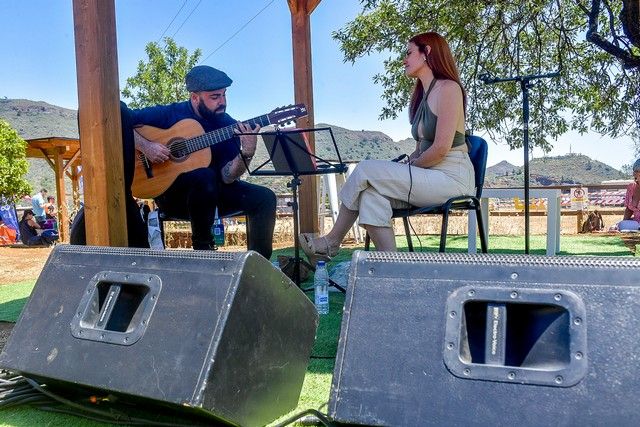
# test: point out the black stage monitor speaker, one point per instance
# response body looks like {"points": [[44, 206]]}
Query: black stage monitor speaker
{"points": [[224, 334], [457, 339]]}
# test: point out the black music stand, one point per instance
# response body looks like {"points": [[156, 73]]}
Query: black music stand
{"points": [[289, 154]]}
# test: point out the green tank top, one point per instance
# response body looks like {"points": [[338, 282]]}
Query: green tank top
{"points": [[424, 124]]}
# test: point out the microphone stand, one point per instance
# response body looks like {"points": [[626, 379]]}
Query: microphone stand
{"points": [[525, 85]]}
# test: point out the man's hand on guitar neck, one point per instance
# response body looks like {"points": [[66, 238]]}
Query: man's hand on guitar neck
{"points": [[153, 151], [247, 142], [236, 167]]}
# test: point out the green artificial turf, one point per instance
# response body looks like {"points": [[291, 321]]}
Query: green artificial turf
{"points": [[317, 382], [12, 298]]}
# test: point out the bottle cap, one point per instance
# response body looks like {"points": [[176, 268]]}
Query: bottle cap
{"points": [[320, 263]]}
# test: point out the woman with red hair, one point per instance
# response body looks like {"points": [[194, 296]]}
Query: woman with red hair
{"points": [[437, 170]]}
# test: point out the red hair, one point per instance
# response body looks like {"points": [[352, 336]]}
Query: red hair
{"points": [[440, 60]]}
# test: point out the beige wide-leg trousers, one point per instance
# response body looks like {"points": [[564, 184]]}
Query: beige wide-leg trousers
{"points": [[377, 186]]}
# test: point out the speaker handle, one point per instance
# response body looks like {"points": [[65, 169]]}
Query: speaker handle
{"points": [[519, 335], [116, 307]]}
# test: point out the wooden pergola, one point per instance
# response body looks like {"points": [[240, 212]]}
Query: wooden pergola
{"points": [[63, 155], [98, 100]]}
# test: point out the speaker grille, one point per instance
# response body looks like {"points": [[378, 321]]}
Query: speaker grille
{"points": [[499, 259], [129, 252]]}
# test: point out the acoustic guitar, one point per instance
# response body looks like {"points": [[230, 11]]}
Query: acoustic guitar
{"points": [[189, 147]]}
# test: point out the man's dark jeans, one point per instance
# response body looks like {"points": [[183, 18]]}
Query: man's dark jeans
{"points": [[194, 196]]}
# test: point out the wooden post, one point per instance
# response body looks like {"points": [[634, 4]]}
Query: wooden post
{"points": [[75, 188], [100, 127], [63, 215], [303, 89], [579, 219]]}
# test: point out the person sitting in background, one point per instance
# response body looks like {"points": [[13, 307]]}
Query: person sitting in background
{"points": [[39, 204], [51, 212], [631, 218], [437, 170], [29, 231]]}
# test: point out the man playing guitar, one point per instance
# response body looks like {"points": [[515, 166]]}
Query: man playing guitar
{"points": [[196, 191]]}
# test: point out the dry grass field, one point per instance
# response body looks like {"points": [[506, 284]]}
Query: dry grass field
{"points": [[20, 264]]}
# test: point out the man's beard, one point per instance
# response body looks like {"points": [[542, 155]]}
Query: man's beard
{"points": [[209, 115]]}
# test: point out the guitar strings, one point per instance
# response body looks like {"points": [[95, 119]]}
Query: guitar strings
{"points": [[202, 141]]}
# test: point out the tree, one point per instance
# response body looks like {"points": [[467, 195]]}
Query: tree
{"points": [[13, 164], [623, 46], [627, 169], [161, 79], [595, 89]]}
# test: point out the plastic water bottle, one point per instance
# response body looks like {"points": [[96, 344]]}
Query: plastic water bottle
{"points": [[218, 232], [321, 287]]}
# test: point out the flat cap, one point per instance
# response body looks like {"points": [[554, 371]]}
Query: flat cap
{"points": [[205, 78], [636, 166]]}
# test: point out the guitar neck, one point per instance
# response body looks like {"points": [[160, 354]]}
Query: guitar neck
{"points": [[212, 138]]}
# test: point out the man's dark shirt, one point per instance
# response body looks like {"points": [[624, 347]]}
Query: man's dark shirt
{"points": [[165, 116]]}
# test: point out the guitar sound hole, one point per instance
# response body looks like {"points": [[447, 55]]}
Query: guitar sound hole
{"points": [[178, 150], [178, 154]]}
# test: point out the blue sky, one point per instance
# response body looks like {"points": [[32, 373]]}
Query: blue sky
{"points": [[39, 62]]}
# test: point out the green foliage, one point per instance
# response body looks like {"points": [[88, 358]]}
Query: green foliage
{"points": [[503, 39], [161, 79], [13, 163], [627, 169]]}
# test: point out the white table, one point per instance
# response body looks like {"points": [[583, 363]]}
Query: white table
{"points": [[553, 197]]}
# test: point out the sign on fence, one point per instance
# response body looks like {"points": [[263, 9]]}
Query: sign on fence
{"points": [[579, 198]]}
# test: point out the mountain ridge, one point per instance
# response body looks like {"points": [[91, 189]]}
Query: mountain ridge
{"points": [[37, 119]]}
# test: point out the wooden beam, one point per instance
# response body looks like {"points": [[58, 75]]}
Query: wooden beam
{"points": [[47, 147], [45, 156], [72, 160], [70, 165], [63, 214], [100, 127], [303, 90]]}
